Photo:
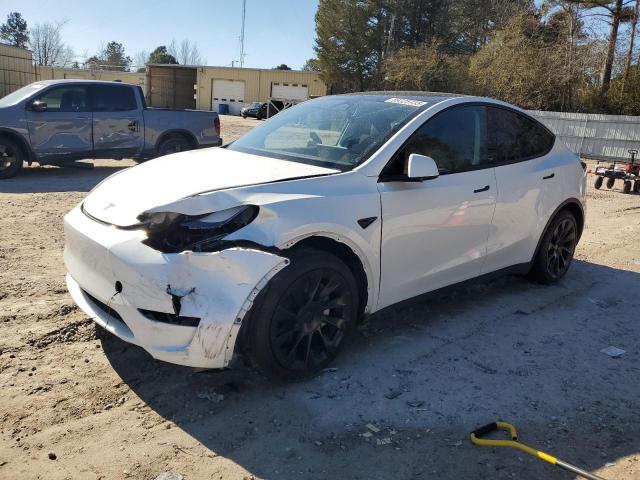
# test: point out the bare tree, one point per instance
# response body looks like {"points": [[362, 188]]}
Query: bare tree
{"points": [[186, 53], [48, 48], [140, 59]]}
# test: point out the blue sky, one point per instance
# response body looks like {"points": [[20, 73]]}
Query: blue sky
{"points": [[276, 31]]}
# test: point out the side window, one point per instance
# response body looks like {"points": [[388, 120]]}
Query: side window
{"points": [[112, 98], [513, 137], [67, 98], [455, 139]]}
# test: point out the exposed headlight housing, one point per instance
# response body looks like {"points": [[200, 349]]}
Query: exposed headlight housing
{"points": [[171, 232]]}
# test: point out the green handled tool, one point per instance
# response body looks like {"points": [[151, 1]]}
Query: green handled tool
{"points": [[513, 443]]}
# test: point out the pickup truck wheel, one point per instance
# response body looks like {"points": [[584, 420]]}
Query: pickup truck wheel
{"points": [[11, 157], [304, 316], [173, 144]]}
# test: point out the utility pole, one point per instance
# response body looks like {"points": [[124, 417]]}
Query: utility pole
{"points": [[244, 8]]}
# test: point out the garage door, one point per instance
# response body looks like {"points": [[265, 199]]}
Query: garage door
{"points": [[290, 91], [229, 92]]}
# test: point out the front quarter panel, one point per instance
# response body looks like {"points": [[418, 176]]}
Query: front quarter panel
{"points": [[290, 211]]}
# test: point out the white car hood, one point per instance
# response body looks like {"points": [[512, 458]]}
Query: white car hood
{"points": [[122, 197]]}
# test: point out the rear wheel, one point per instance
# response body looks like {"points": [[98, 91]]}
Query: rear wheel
{"points": [[636, 186], [304, 316], [610, 182], [627, 186], [11, 158], [173, 144], [556, 249], [598, 182]]}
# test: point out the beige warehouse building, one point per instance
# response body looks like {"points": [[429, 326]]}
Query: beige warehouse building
{"points": [[176, 86], [207, 88]]}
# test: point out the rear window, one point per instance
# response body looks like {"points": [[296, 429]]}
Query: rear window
{"points": [[513, 137], [112, 98]]}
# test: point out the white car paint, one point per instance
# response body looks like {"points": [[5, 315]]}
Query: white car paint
{"points": [[426, 235]]}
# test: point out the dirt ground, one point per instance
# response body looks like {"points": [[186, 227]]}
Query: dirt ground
{"points": [[421, 377]]}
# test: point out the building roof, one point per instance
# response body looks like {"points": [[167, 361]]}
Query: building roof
{"points": [[171, 65]]}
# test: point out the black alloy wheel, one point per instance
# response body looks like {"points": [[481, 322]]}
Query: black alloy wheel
{"points": [[556, 249], [561, 246], [311, 320], [304, 316]]}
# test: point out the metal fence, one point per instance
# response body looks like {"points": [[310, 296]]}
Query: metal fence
{"points": [[602, 137]]}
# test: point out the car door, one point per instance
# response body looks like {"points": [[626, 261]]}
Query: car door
{"points": [[526, 177], [59, 124], [434, 232], [118, 129]]}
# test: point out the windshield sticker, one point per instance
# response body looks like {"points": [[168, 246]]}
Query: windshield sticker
{"points": [[406, 101]]}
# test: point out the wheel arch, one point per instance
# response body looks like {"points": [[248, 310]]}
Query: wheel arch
{"points": [[177, 131], [24, 144], [349, 256], [572, 205]]}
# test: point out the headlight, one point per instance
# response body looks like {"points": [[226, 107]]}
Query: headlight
{"points": [[171, 232]]}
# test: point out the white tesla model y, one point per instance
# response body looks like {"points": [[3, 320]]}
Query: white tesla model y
{"points": [[279, 242]]}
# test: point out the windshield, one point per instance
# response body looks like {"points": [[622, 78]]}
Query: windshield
{"points": [[20, 94], [336, 131], [255, 105]]}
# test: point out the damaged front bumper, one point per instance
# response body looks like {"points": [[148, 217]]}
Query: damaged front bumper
{"points": [[184, 308]]}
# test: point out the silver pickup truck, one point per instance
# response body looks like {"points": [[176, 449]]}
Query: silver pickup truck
{"points": [[59, 121]]}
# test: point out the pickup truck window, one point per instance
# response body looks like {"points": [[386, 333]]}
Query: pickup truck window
{"points": [[112, 98], [66, 98]]}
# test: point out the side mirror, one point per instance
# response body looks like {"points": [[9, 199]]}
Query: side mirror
{"points": [[38, 106], [422, 167]]}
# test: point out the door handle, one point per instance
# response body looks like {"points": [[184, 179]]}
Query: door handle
{"points": [[483, 189], [551, 175], [133, 126]]}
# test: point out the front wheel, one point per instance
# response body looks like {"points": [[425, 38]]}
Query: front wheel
{"points": [[556, 249], [304, 316], [11, 158], [610, 182], [627, 186]]}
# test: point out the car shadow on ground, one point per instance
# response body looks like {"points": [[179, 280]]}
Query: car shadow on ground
{"points": [[38, 179], [424, 376]]}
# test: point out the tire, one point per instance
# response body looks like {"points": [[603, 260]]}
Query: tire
{"points": [[610, 182], [303, 318], [11, 158], [627, 186], [556, 250], [636, 186], [598, 182], [173, 144], [258, 116]]}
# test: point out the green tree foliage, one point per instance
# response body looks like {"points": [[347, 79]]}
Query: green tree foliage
{"points": [[311, 65], [14, 30], [160, 55], [550, 54], [427, 67], [282, 66], [524, 64], [112, 57], [348, 44]]}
